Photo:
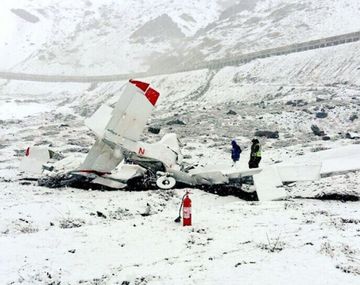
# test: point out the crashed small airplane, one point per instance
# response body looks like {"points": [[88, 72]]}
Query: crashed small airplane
{"points": [[119, 160]]}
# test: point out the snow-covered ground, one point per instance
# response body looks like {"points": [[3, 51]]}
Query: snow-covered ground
{"points": [[71, 236]]}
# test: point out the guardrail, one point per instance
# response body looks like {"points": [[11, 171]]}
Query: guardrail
{"points": [[213, 64], [297, 47], [65, 78]]}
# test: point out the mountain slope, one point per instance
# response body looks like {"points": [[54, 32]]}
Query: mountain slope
{"points": [[92, 37]]}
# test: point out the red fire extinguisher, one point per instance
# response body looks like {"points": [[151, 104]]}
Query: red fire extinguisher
{"points": [[187, 210]]}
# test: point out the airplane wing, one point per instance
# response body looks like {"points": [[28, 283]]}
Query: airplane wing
{"points": [[219, 174]]}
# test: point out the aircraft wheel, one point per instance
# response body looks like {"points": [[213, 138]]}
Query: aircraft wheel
{"points": [[165, 182]]}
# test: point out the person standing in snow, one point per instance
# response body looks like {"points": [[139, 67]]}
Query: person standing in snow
{"points": [[235, 152], [255, 155]]}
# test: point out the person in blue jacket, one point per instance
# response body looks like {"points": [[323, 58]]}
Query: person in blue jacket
{"points": [[235, 152]]}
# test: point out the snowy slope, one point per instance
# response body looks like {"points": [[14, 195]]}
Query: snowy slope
{"points": [[96, 36], [249, 26]]}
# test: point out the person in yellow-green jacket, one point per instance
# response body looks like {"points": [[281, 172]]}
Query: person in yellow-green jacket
{"points": [[255, 155]]}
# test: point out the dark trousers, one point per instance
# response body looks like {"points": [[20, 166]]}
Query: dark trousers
{"points": [[254, 162]]}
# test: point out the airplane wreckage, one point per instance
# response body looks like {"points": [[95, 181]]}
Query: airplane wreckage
{"points": [[119, 160]]}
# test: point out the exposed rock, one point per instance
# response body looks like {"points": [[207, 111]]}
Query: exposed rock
{"points": [[231, 112], [316, 130], [307, 111], [321, 115], [267, 134], [325, 138], [162, 27], [100, 214], [353, 117], [70, 223], [176, 122], [154, 130], [297, 103]]}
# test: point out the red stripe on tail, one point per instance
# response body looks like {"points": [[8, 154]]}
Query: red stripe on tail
{"points": [[139, 84], [152, 96]]}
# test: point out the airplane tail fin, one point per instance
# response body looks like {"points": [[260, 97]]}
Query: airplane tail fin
{"points": [[131, 112], [119, 126], [35, 157]]}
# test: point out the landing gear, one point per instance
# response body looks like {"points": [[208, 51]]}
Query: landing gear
{"points": [[165, 182]]}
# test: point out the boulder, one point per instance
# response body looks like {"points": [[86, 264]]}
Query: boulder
{"points": [[316, 130], [321, 115], [297, 103], [231, 112], [154, 129], [267, 134], [176, 122], [353, 117]]}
